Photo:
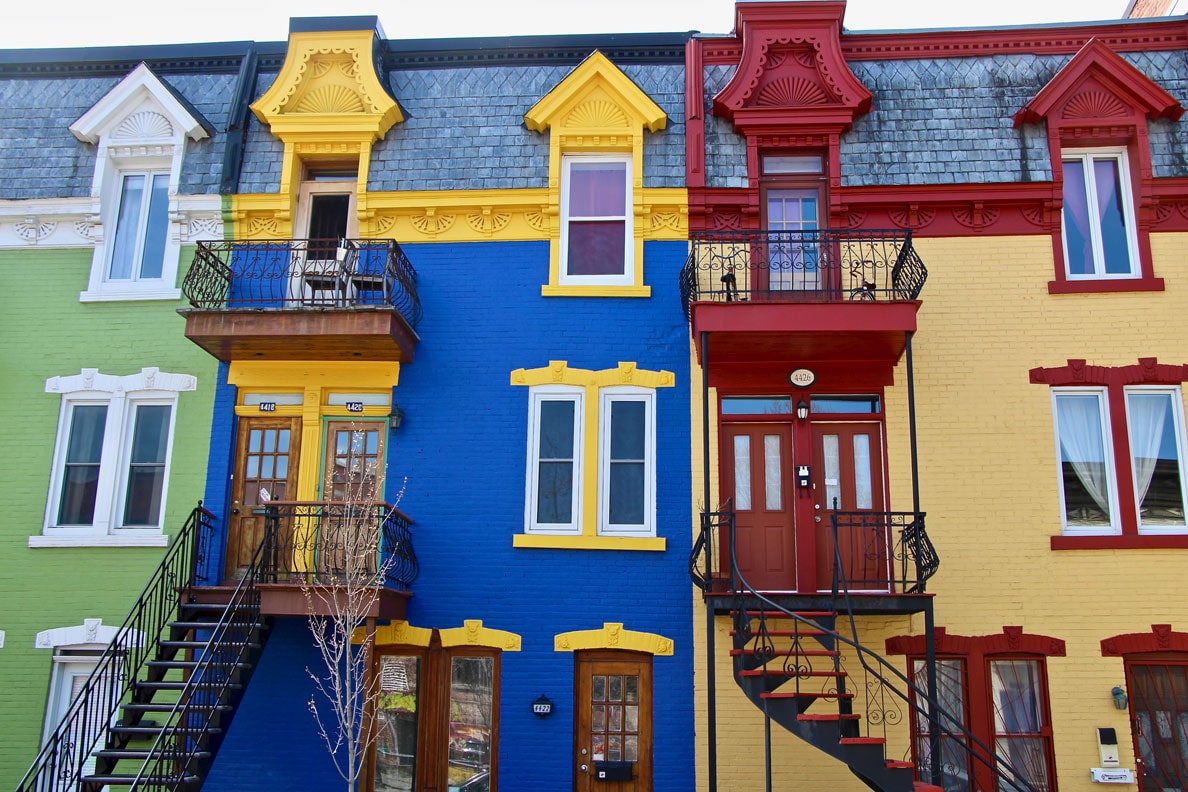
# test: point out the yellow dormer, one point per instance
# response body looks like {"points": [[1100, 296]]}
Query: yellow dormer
{"points": [[596, 117]]}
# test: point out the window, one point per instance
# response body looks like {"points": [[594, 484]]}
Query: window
{"points": [[596, 235], [142, 223], [554, 482], [1098, 215], [996, 688], [591, 468], [626, 462], [110, 473], [1091, 480]]}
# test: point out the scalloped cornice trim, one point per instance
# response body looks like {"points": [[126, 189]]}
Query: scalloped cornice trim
{"points": [[613, 636], [473, 633], [558, 372]]}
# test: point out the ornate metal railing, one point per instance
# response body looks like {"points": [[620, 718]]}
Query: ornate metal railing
{"points": [[183, 749], [888, 692], [881, 551], [333, 542], [801, 267], [69, 750], [303, 274]]}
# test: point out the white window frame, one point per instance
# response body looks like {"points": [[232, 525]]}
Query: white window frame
{"points": [[138, 126], [122, 396], [607, 396], [627, 276], [1087, 156], [1177, 401], [140, 232], [538, 395], [1103, 400]]}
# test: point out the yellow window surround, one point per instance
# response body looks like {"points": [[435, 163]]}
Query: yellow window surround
{"points": [[596, 109], [471, 633], [558, 372], [613, 636]]}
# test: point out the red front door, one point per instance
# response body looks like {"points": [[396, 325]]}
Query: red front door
{"points": [[848, 480], [756, 476]]}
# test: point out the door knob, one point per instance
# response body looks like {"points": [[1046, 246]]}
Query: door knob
{"points": [[585, 768]]}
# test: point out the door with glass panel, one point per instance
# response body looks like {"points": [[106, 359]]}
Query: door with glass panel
{"points": [[793, 253], [756, 478], [613, 722], [1159, 712], [265, 470], [848, 481]]}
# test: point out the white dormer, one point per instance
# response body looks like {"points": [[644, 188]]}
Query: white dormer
{"points": [[140, 128]]}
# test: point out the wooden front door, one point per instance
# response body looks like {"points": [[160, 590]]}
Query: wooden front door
{"points": [[1159, 711], [613, 722], [265, 470], [848, 478], [756, 476], [354, 467]]}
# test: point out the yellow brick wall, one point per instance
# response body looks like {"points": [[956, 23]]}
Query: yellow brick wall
{"points": [[988, 484]]}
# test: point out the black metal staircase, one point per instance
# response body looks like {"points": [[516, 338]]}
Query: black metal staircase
{"points": [[789, 658], [153, 713]]}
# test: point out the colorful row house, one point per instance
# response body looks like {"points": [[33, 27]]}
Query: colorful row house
{"points": [[934, 292], [488, 347]]}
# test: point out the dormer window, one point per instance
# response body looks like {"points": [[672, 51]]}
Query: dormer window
{"points": [[138, 250], [1098, 216]]}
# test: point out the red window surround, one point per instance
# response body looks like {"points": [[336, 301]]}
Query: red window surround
{"points": [[1148, 371], [976, 653]]}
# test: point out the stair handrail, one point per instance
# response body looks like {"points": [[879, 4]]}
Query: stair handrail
{"points": [[87, 721], [948, 724], [187, 734]]}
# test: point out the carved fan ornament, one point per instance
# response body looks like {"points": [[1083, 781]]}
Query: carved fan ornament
{"points": [[142, 125], [432, 224], [791, 92], [1095, 104], [330, 99], [597, 114]]}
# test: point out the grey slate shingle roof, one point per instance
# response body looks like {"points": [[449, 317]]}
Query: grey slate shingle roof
{"points": [[949, 121]]}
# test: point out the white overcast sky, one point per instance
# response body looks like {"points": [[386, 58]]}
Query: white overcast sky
{"points": [[76, 23]]}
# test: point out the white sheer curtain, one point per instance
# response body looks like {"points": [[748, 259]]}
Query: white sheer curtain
{"points": [[1148, 412], [1081, 444]]}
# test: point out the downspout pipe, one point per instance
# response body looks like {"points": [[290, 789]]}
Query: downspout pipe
{"points": [[237, 122]]}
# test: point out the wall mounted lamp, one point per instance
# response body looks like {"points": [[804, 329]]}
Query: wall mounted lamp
{"points": [[802, 410], [395, 417], [1121, 700]]}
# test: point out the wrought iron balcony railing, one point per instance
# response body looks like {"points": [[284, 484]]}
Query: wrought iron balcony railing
{"points": [[296, 274], [801, 267], [335, 543]]}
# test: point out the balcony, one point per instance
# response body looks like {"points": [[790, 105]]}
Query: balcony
{"points": [[804, 297], [317, 553], [301, 299]]}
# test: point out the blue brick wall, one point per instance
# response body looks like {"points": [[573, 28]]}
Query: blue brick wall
{"points": [[462, 448], [220, 466]]}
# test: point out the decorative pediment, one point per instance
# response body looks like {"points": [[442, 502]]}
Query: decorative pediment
{"points": [[792, 71], [328, 87], [596, 98], [1098, 86], [140, 109]]}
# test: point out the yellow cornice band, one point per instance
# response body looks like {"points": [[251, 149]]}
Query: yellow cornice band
{"points": [[558, 372], [613, 636], [473, 633]]}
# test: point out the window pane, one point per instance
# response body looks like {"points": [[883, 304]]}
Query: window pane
{"points": [[1108, 187], [1018, 719], [596, 248], [1083, 460], [146, 471], [832, 451], [1076, 219], [757, 405], [556, 429], [628, 422], [555, 461], [127, 228], [597, 189], [773, 474], [1155, 457], [157, 227], [80, 475], [396, 720], [554, 493], [742, 472], [471, 705], [627, 493], [950, 691], [628, 466], [863, 496]]}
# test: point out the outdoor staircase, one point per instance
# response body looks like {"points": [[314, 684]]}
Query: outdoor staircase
{"points": [[789, 665], [153, 713]]}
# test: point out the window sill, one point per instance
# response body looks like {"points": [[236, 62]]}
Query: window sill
{"points": [[653, 543], [100, 540], [1122, 542], [1105, 286], [127, 295], [553, 290]]}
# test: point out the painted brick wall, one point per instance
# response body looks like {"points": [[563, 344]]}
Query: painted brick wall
{"points": [[462, 448], [46, 333]]}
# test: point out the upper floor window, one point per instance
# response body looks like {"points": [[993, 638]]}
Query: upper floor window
{"points": [[1098, 215], [109, 478], [142, 224], [554, 480], [627, 457], [596, 238]]}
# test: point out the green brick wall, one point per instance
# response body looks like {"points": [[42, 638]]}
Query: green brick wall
{"points": [[47, 332]]}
